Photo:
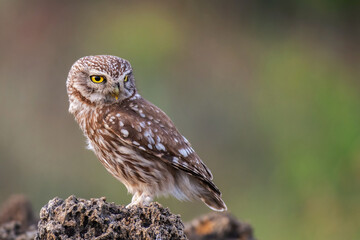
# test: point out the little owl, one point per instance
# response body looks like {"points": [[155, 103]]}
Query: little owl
{"points": [[134, 140]]}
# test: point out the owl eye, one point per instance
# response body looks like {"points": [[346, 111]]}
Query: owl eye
{"points": [[97, 79], [126, 78]]}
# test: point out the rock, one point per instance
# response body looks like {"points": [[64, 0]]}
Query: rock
{"points": [[17, 208], [218, 226], [76, 218], [97, 219], [14, 231], [17, 221]]}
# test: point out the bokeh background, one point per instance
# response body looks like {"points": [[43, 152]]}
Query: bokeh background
{"points": [[268, 92]]}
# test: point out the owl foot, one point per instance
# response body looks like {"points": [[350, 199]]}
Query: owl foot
{"points": [[140, 199]]}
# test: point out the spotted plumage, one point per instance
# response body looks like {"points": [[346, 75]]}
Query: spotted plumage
{"points": [[134, 140]]}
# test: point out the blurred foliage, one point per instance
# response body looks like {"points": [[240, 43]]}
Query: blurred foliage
{"points": [[266, 91]]}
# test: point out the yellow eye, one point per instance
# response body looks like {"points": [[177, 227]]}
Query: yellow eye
{"points": [[126, 78], [97, 79]]}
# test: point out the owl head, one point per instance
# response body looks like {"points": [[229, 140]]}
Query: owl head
{"points": [[101, 79]]}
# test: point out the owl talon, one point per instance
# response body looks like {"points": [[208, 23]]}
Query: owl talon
{"points": [[130, 205], [134, 200]]}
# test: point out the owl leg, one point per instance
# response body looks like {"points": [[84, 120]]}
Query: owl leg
{"points": [[135, 200], [142, 199], [146, 199], [135, 197]]}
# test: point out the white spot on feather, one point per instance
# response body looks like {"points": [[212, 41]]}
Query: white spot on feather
{"points": [[147, 135], [125, 150], [183, 152], [142, 124], [175, 160], [160, 147], [188, 150], [138, 128], [124, 132]]}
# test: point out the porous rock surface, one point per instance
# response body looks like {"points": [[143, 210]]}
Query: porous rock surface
{"points": [[75, 218], [215, 225]]}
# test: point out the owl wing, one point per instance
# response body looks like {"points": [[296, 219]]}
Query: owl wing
{"points": [[146, 128]]}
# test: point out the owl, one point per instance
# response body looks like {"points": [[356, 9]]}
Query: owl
{"points": [[134, 140]]}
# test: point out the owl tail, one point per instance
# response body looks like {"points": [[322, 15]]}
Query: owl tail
{"points": [[214, 202], [190, 187], [213, 199]]}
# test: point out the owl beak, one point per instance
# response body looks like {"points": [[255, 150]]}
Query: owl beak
{"points": [[116, 92]]}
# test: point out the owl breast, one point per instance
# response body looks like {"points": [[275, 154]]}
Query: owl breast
{"points": [[138, 172]]}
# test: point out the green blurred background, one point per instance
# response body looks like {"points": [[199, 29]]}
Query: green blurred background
{"points": [[268, 93]]}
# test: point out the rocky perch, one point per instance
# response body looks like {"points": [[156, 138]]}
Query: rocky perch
{"points": [[95, 218], [75, 218]]}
